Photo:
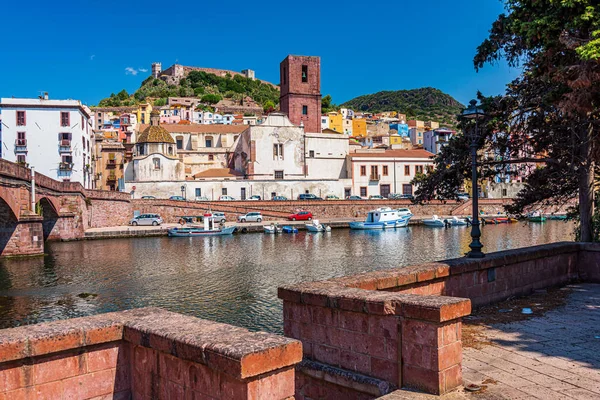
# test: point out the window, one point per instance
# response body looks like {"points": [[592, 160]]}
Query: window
{"points": [[273, 194], [385, 170], [224, 191], [156, 163], [418, 169], [305, 73], [363, 191], [170, 150], [82, 122], [198, 192], [304, 110], [363, 170], [21, 158], [21, 141], [211, 157], [180, 143], [374, 172], [504, 192], [64, 119], [21, 118], [407, 189], [407, 170], [278, 174], [278, 151], [311, 154], [67, 159], [208, 141]]}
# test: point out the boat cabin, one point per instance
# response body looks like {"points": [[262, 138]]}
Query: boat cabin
{"points": [[384, 214]]}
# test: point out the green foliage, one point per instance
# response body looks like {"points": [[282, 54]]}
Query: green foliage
{"points": [[269, 107], [327, 104], [424, 103], [160, 102], [211, 98]]}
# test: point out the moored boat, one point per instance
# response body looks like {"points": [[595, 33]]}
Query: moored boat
{"points": [[289, 229], [434, 222], [558, 217], [455, 221], [382, 218], [210, 228], [537, 218], [273, 228], [316, 226]]}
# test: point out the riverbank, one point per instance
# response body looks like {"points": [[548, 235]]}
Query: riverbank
{"points": [[249, 227]]}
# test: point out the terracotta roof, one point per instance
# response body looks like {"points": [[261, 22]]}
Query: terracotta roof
{"points": [[200, 128], [419, 153], [155, 134], [218, 173]]}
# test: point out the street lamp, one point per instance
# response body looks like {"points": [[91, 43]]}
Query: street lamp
{"points": [[183, 192], [473, 112]]}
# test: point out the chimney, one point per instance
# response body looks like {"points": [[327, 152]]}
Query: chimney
{"points": [[45, 95]]}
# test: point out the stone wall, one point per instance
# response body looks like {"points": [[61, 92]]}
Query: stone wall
{"points": [[145, 354], [366, 334]]}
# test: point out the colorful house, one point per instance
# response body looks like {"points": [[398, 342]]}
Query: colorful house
{"points": [[336, 121], [143, 113], [359, 127]]}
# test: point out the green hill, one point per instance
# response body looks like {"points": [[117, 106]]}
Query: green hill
{"points": [[209, 87], [424, 104]]}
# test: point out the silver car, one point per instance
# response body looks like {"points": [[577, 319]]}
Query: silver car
{"points": [[146, 219], [250, 217]]}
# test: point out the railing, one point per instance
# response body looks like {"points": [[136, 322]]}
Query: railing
{"points": [[64, 145], [111, 164], [65, 166], [111, 178], [374, 177]]}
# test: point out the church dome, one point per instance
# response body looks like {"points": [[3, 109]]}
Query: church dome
{"points": [[155, 133]]}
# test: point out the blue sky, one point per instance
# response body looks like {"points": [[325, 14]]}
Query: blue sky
{"points": [[83, 49]]}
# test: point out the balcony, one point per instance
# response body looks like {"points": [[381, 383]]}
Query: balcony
{"points": [[65, 166], [20, 145], [374, 177], [111, 178], [111, 164], [64, 145]]}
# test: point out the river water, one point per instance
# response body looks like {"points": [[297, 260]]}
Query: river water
{"points": [[228, 279]]}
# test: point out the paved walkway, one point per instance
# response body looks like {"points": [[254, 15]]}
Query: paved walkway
{"points": [[556, 356]]}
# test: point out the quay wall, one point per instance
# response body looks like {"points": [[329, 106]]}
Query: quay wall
{"points": [[367, 334], [145, 353]]}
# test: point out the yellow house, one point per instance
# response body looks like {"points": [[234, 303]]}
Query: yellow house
{"points": [[143, 113], [359, 127], [336, 122], [395, 139]]}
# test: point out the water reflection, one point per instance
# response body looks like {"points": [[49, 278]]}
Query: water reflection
{"points": [[228, 279]]}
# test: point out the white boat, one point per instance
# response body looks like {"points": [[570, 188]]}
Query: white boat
{"points": [[455, 221], [273, 228], [211, 228], [383, 218], [435, 221], [316, 226]]}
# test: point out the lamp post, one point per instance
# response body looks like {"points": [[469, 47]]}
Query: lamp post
{"points": [[183, 192], [472, 112]]}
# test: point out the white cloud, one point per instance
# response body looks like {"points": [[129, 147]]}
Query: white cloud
{"points": [[143, 69], [131, 71], [92, 57]]}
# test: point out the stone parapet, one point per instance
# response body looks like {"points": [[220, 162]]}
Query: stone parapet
{"points": [[145, 354]]}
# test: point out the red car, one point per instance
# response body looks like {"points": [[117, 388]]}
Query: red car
{"points": [[301, 216]]}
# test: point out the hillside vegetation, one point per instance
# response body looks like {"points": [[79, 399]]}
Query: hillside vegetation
{"points": [[208, 87], [423, 104]]}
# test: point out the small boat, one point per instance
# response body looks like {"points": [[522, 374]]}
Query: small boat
{"points": [[435, 222], [382, 218], [315, 226], [211, 228], [273, 228], [455, 221], [537, 218], [502, 220], [558, 217], [289, 229]]}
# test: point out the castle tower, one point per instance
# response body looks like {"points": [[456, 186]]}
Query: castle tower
{"points": [[156, 69], [300, 96]]}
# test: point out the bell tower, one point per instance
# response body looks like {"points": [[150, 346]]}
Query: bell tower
{"points": [[300, 96]]}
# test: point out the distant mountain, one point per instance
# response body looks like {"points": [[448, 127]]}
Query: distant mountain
{"points": [[424, 104]]}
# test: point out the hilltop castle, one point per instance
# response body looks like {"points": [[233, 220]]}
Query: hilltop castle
{"points": [[176, 72]]}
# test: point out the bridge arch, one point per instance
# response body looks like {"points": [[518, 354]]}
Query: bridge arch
{"points": [[46, 208], [8, 224]]}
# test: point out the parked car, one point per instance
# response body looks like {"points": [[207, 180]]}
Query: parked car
{"points": [[219, 216], [405, 196], [308, 196], [331, 197], [463, 196], [376, 197], [354, 198], [301, 216], [201, 198], [178, 198], [148, 197], [279, 198], [254, 198], [404, 212], [250, 217], [394, 196], [146, 219], [226, 198]]}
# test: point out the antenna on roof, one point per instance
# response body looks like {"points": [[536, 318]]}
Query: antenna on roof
{"points": [[43, 95]]}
